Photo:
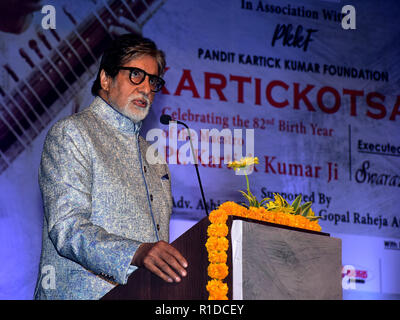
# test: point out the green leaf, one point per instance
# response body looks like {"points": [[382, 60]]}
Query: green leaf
{"points": [[264, 200], [296, 202], [251, 199], [250, 194], [283, 201], [244, 205], [244, 194], [271, 208], [305, 208], [312, 218]]}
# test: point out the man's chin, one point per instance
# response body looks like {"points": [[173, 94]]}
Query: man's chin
{"points": [[137, 116]]}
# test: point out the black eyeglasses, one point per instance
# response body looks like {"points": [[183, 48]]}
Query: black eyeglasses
{"points": [[138, 75]]}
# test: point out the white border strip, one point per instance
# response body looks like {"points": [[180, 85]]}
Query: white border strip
{"points": [[237, 272]]}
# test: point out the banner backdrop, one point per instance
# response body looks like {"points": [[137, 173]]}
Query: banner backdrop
{"points": [[309, 90]]}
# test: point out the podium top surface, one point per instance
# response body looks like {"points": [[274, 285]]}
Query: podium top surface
{"points": [[279, 225]]}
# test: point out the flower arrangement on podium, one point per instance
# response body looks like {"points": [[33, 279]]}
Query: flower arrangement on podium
{"points": [[276, 210]]}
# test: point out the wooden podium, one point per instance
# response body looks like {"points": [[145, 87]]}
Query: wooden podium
{"points": [[266, 262]]}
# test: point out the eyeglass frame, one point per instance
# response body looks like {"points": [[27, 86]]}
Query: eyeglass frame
{"points": [[131, 69]]}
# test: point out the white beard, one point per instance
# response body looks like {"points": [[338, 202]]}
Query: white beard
{"points": [[138, 114]]}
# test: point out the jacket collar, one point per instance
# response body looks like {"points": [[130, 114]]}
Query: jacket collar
{"points": [[113, 117]]}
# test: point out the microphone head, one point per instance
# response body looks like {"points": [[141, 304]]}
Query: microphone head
{"points": [[165, 119]]}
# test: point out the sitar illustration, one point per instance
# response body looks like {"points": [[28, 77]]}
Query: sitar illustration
{"points": [[37, 98]]}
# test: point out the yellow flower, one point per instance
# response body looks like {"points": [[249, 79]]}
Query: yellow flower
{"points": [[278, 206], [311, 213], [243, 163]]}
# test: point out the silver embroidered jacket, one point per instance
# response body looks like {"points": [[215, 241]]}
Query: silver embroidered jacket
{"points": [[101, 198]]}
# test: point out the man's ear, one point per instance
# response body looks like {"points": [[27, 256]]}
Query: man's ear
{"points": [[105, 80]]}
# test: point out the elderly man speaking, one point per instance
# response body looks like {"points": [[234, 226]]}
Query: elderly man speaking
{"points": [[107, 210]]}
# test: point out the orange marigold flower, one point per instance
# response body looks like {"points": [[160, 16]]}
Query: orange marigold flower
{"points": [[217, 289], [218, 216], [217, 270], [315, 226], [217, 230], [270, 216], [217, 244], [231, 208], [217, 297], [217, 256]]}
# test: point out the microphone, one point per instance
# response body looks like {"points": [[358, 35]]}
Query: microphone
{"points": [[166, 119]]}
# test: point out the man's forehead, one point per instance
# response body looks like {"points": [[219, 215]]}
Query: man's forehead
{"points": [[143, 61], [140, 57]]}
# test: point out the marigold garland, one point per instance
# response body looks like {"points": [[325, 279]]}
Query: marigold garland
{"points": [[217, 243], [218, 271], [278, 211], [217, 217], [217, 256], [218, 290], [217, 230]]}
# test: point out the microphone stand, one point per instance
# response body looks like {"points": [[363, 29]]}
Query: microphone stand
{"points": [[196, 166], [166, 119]]}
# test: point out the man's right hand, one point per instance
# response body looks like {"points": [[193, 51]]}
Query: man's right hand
{"points": [[162, 259]]}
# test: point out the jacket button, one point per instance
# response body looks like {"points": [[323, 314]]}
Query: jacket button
{"points": [[151, 197], [145, 169], [158, 227]]}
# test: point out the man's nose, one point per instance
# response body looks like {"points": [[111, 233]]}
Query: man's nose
{"points": [[145, 87]]}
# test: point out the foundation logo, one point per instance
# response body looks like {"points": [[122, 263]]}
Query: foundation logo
{"points": [[353, 276]]}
